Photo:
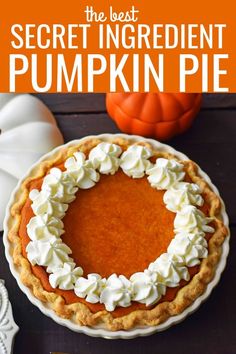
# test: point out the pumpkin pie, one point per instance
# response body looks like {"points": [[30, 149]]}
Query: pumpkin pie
{"points": [[116, 233]]}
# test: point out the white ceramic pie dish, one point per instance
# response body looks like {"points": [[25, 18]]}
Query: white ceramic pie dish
{"points": [[98, 331]]}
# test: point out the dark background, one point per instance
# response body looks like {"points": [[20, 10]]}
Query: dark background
{"points": [[211, 142]]}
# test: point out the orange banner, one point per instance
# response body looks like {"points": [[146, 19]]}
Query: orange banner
{"points": [[115, 46]]}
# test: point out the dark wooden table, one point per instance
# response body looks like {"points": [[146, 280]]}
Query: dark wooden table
{"points": [[211, 142]]}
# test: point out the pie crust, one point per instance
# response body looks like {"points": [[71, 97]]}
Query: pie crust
{"points": [[79, 312]]}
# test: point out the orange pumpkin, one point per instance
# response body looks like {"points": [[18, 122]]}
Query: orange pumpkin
{"points": [[160, 115]]}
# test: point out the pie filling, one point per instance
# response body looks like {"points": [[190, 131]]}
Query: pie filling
{"points": [[122, 224], [109, 226]]}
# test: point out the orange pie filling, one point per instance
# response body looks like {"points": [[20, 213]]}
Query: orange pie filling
{"points": [[119, 226]]}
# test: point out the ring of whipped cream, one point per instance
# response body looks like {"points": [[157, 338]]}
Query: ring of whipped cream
{"points": [[59, 189]]}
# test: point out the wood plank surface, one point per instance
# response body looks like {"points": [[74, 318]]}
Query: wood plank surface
{"points": [[95, 102], [222, 100], [74, 103], [211, 142]]}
